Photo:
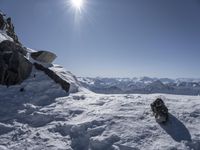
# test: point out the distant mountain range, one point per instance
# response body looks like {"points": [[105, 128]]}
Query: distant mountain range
{"points": [[143, 85]]}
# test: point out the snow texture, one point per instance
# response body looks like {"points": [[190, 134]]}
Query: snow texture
{"points": [[44, 117]]}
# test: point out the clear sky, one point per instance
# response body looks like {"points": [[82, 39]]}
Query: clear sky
{"points": [[113, 38]]}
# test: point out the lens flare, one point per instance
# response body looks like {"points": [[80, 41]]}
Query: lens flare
{"points": [[78, 4]]}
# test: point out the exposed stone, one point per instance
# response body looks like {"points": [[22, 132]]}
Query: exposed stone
{"points": [[43, 56], [64, 84], [14, 67], [160, 111], [6, 25], [9, 46], [2, 22]]}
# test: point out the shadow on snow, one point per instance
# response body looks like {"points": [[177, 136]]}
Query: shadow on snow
{"points": [[176, 129]]}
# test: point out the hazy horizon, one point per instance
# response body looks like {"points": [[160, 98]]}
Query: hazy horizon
{"points": [[113, 38], [198, 78]]}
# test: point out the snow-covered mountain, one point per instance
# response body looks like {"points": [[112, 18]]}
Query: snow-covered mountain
{"points": [[41, 114], [143, 85]]}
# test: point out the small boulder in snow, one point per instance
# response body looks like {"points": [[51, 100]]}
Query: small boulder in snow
{"points": [[160, 111]]}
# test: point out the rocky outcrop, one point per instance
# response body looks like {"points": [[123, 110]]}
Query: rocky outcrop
{"points": [[14, 67], [64, 84], [2, 22], [10, 30], [6, 24], [44, 56], [7, 46], [15, 63]]}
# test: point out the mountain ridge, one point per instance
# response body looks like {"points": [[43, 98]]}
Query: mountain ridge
{"points": [[142, 85]]}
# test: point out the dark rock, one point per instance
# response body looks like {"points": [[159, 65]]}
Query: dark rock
{"points": [[64, 84], [2, 22], [10, 30], [14, 67], [160, 111], [44, 56], [9, 46]]}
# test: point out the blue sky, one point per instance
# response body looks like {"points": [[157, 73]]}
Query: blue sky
{"points": [[113, 38]]}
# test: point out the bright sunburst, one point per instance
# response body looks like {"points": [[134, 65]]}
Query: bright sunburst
{"points": [[77, 4]]}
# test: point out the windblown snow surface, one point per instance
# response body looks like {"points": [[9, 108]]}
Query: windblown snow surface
{"points": [[44, 117]]}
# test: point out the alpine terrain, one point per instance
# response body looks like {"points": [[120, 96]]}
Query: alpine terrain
{"points": [[45, 107]]}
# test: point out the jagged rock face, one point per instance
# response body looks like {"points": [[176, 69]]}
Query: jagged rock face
{"points": [[6, 24], [64, 84], [44, 56], [2, 23], [14, 67]]}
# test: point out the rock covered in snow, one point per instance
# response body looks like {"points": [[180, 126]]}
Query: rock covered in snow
{"points": [[75, 85], [8, 27], [64, 84], [16, 61], [44, 56], [14, 66]]}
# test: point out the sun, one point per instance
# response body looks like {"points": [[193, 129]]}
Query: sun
{"points": [[78, 4]]}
